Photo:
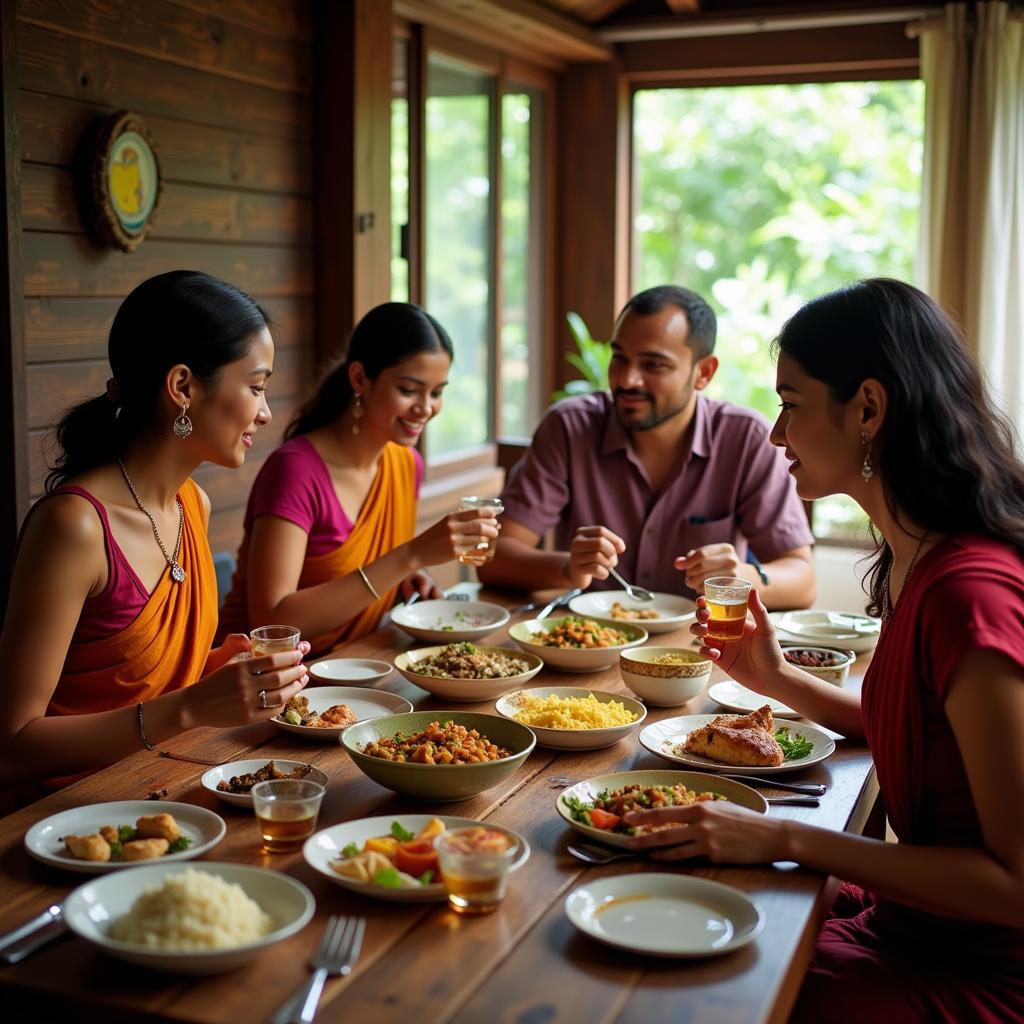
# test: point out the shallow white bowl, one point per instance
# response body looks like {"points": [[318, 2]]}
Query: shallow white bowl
{"points": [[365, 704], [323, 848], [574, 739], [466, 691], [845, 631], [440, 622], [575, 659], [350, 671], [674, 612], [665, 686], [91, 909], [225, 772]]}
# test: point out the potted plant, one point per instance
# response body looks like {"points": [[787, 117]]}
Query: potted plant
{"points": [[591, 360]]}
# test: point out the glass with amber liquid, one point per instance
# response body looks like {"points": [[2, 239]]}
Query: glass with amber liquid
{"points": [[484, 551], [727, 605], [286, 812], [474, 863], [274, 639]]}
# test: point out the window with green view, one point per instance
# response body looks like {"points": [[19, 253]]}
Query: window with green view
{"points": [[762, 197]]}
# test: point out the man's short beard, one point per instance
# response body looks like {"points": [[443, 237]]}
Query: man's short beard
{"points": [[656, 417]]}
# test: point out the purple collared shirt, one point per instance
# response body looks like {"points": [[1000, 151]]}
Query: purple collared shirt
{"points": [[733, 486]]}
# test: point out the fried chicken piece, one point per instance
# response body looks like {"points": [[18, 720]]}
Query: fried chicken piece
{"points": [[109, 832], [144, 849], [759, 719], [158, 826], [748, 747], [336, 717], [92, 847], [299, 704]]}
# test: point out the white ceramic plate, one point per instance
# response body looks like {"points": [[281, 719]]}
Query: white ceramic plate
{"points": [[738, 698], [91, 908], [441, 622], [366, 704], [321, 849], [813, 628], [42, 840], [699, 782], [574, 739], [665, 915], [353, 671], [225, 772], [660, 738], [674, 612], [575, 659]]}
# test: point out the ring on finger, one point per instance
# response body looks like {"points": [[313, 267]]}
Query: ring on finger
{"points": [[262, 700]]}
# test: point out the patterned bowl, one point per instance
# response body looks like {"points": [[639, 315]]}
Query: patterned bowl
{"points": [[665, 685], [836, 671]]}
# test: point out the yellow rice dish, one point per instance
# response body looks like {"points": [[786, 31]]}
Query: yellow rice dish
{"points": [[193, 911], [553, 712]]}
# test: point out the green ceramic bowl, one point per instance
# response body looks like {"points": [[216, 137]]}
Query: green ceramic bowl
{"points": [[575, 659], [439, 782]]}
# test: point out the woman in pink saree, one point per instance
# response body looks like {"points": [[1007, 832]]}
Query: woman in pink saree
{"points": [[881, 400]]}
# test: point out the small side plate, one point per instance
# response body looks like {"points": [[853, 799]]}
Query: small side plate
{"points": [[225, 772], [350, 671], [365, 704]]}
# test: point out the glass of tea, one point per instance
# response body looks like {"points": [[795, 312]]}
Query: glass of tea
{"points": [[474, 863], [286, 812], [727, 604], [484, 551], [274, 639]]}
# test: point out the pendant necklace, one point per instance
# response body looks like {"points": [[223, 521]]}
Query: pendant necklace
{"points": [[177, 573]]}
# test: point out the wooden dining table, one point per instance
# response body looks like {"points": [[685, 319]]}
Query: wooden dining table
{"points": [[525, 963]]}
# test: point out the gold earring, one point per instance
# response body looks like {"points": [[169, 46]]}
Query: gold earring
{"points": [[357, 412], [183, 425], [867, 471]]}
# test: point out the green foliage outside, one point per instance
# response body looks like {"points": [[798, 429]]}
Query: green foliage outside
{"points": [[762, 197], [591, 359]]}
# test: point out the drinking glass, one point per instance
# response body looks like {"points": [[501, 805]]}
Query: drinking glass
{"points": [[286, 812], [274, 639], [474, 863], [484, 551], [727, 604]]}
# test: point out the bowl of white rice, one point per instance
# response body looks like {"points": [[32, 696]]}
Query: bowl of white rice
{"points": [[201, 919]]}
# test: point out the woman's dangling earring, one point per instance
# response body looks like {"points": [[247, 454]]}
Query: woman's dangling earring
{"points": [[868, 469], [183, 425], [357, 413]]}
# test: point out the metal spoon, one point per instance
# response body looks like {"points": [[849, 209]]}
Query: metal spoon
{"points": [[597, 854], [636, 593], [810, 788]]}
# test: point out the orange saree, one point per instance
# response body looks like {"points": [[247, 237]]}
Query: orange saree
{"points": [[386, 520], [164, 648]]}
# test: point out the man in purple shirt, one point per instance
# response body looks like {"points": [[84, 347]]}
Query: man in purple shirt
{"points": [[655, 479]]}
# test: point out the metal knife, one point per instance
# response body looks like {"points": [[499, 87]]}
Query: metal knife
{"points": [[811, 788]]}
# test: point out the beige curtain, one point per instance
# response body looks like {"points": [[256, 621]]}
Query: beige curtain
{"points": [[971, 255]]}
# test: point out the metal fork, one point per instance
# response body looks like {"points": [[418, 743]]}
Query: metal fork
{"points": [[635, 592], [336, 955]]}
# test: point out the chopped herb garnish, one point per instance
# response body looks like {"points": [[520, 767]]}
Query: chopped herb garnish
{"points": [[179, 845], [793, 747], [350, 850], [401, 834], [388, 877], [126, 833], [426, 878]]}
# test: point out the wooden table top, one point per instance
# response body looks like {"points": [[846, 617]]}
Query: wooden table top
{"points": [[525, 962]]}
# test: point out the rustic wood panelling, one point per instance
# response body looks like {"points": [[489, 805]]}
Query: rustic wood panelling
{"points": [[186, 212], [185, 36], [59, 330], [52, 126], [225, 87], [61, 65]]}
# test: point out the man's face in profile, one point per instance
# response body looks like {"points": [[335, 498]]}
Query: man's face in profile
{"points": [[653, 370]]}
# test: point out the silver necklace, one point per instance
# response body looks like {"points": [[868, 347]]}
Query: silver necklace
{"points": [[177, 573], [887, 596]]}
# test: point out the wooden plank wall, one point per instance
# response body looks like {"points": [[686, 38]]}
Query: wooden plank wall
{"points": [[226, 89]]}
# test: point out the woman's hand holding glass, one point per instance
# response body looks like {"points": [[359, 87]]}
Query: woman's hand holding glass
{"points": [[753, 660], [231, 695], [456, 534]]}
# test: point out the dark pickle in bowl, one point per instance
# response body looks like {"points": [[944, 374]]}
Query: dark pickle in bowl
{"points": [[814, 659]]}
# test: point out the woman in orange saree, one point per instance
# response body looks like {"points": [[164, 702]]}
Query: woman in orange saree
{"points": [[329, 525], [107, 641]]}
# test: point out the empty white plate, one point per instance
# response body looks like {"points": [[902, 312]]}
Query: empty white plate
{"points": [[665, 915], [43, 839], [441, 622], [738, 698], [353, 671], [365, 704]]}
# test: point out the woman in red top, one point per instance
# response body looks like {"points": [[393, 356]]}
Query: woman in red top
{"points": [[881, 401]]}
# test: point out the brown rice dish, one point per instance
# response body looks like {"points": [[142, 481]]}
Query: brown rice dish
{"points": [[437, 744], [465, 661], [193, 910], [581, 633]]}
